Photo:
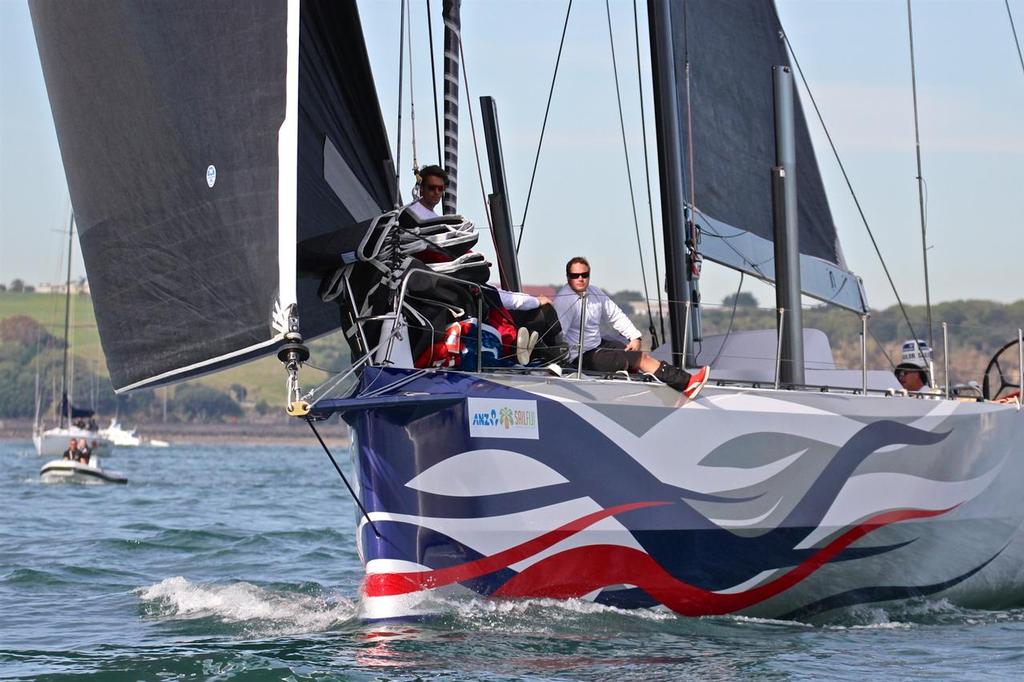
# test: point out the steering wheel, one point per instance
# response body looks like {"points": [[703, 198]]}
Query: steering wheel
{"points": [[997, 373]]}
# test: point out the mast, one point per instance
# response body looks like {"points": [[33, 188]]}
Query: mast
{"points": [[65, 399], [787, 233], [920, 180], [501, 215], [677, 261], [452, 40]]}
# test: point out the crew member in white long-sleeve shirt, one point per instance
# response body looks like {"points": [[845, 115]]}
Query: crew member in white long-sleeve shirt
{"points": [[602, 355]]}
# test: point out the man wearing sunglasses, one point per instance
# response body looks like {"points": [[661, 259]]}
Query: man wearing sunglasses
{"points": [[433, 180], [603, 355]]}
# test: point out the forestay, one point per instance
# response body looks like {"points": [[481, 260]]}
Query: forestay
{"points": [[732, 46], [202, 141]]}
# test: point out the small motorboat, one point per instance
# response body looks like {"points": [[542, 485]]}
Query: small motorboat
{"points": [[70, 471]]}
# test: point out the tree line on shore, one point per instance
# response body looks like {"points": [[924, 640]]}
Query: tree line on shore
{"points": [[31, 357]]}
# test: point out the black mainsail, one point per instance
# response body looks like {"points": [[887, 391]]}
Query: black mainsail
{"points": [[202, 141], [731, 47]]}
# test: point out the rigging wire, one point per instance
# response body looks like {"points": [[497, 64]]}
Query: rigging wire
{"points": [[1014, 29], [433, 81], [543, 127], [398, 139], [629, 174], [412, 94], [732, 317], [849, 186], [355, 498], [472, 130], [647, 171], [920, 180]]}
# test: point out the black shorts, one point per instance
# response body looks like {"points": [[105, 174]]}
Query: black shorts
{"points": [[611, 356]]}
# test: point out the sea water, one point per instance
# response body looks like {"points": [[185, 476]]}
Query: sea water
{"points": [[238, 562]]}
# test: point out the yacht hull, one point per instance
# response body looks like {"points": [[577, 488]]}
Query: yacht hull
{"points": [[769, 503], [53, 442]]}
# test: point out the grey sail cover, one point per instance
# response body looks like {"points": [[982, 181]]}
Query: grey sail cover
{"points": [[732, 46], [201, 142]]}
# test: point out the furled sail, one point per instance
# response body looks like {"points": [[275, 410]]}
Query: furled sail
{"points": [[731, 46], [202, 141]]}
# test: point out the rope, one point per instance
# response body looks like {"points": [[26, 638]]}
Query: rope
{"points": [[629, 173], [412, 94], [337, 468], [543, 127], [849, 186], [398, 138], [433, 80], [1014, 29], [647, 174], [472, 130], [920, 179], [732, 317]]}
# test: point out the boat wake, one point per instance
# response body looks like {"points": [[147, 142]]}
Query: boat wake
{"points": [[263, 611]]}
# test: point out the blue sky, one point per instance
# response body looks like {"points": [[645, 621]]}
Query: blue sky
{"points": [[855, 55]]}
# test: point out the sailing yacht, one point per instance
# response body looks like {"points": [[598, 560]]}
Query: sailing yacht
{"points": [[250, 204], [54, 441]]}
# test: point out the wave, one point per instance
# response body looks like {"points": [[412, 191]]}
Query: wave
{"points": [[264, 611]]}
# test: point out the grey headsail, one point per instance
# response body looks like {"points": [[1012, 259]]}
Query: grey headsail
{"points": [[201, 142], [731, 46]]}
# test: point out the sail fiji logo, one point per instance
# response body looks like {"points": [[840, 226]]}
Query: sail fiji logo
{"points": [[490, 418]]}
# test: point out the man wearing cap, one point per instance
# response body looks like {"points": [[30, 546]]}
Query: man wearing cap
{"points": [[912, 376]]}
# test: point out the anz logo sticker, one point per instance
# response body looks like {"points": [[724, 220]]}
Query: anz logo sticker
{"points": [[493, 418]]}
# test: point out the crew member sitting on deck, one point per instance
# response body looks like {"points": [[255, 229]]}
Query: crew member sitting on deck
{"points": [[603, 355]]}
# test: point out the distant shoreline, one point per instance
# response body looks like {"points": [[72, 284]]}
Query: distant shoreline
{"points": [[334, 431]]}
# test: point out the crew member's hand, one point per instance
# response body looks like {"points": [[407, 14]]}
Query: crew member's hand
{"points": [[544, 300], [633, 345]]}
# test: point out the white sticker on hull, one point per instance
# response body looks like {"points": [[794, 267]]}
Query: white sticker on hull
{"points": [[496, 418]]}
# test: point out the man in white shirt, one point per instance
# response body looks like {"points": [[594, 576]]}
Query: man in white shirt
{"points": [[433, 180], [602, 355]]}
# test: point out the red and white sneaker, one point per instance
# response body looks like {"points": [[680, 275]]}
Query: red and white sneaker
{"points": [[697, 381]]}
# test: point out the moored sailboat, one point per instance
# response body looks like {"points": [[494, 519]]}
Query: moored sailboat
{"points": [[770, 495], [51, 442]]}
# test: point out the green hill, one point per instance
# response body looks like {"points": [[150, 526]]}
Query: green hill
{"points": [[263, 380]]}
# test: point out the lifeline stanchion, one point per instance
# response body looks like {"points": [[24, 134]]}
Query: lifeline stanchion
{"points": [[345, 480], [778, 347], [945, 356], [583, 321], [864, 353]]}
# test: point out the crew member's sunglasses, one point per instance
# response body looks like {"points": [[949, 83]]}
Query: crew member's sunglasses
{"points": [[579, 275], [433, 188]]}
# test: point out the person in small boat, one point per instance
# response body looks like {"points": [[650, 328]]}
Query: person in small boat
{"points": [[72, 451], [84, 452], [604, 355]]}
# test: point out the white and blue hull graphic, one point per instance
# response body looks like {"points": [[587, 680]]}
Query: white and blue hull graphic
{"points": [[774, 503]]}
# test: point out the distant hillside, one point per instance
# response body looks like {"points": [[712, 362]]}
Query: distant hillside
{"points": [[976, 330], [263, 380]]}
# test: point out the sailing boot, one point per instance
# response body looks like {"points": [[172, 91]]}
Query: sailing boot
{"points": [[688, 384], [673, 376]]}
